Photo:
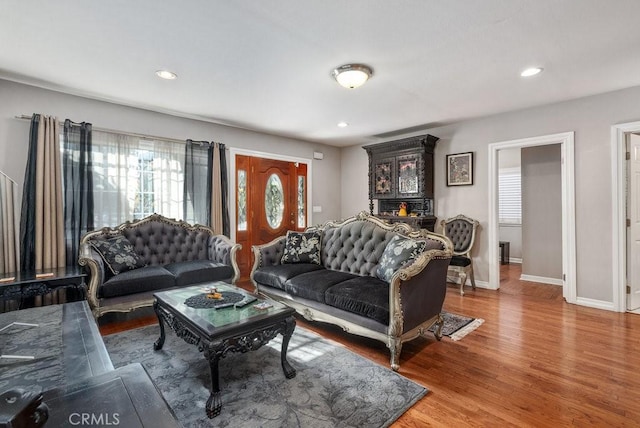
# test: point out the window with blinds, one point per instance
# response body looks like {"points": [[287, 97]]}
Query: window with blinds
{"points": [[510, 196]]}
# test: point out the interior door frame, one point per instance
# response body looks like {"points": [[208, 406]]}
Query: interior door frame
{"points": [[252, 153], [566, 141], [619, 212]]}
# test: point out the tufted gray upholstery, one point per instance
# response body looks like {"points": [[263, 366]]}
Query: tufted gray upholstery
{"points": [[460, 232], [344, 289], [219, 250], [272, 254], [354, 248], [177, 253], [160, 243]]}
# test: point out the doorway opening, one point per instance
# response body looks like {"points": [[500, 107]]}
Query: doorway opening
{"points": [[565, 140], [529, 213], [626, 290]]}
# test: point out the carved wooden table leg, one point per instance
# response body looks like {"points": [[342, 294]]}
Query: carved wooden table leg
{"points": [[290, 325], [214, 403], [160, 342]]}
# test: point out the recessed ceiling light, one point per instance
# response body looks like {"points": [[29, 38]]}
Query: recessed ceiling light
{"points": [[343, 124], [531, 72], [166, 74]]}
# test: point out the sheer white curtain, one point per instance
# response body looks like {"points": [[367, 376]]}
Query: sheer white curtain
{"points": [[135, 177], [168, 178]]}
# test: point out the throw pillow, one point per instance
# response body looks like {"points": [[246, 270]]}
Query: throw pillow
{"points": [[398, 252], [118, 254], [302, 247]]}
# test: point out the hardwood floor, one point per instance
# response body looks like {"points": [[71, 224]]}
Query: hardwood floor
{"points": [[536, 361]]}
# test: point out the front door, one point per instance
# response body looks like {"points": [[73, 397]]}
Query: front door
{"points": [[271, 199]]}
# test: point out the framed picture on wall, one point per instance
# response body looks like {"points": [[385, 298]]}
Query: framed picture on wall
{"points": [[460, 169]]}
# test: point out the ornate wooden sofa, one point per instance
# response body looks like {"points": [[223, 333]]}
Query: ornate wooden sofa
{"points": [[352, 281], [130, 262]]}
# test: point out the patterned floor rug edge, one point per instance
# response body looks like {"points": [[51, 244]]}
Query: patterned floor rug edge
{"points": [[349, 375], [457, 326], [462, 332]]}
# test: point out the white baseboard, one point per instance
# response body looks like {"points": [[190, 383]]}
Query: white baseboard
{"points": [[542, 279], [597, 304], [479, 284], [582, 301], [515, 260]]}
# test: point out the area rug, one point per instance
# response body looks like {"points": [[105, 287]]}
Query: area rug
{"points": [[458, 326], [334, 387]]}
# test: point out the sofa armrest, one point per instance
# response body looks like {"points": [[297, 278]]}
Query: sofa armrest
{"points": [[89, 258], [268, 254], [417, 291], [224, 250]]}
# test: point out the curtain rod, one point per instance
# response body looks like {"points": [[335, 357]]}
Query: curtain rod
{"points": [[200, 142], [115, 131]]}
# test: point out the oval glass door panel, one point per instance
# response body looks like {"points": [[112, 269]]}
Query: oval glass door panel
{"points": [[274, 201]]}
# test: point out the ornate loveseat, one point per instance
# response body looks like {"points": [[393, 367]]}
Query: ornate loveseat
{"points": [[386, 282], [130, 262]]}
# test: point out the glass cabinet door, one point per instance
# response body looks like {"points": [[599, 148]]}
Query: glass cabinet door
{"points": [[383, 178], [410, 182]]}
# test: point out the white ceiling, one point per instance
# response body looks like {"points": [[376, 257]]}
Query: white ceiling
{"points": [[265, 65]]}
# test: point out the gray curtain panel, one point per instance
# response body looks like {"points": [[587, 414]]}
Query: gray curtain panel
{"points": [[198, 167], [77, 172], [205, 185], [224, 185], [41, 222]]}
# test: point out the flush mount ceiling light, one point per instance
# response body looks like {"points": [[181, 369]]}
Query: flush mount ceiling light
{"points": [[166, 74], [352, 75], [531, 72], [342, 124]]}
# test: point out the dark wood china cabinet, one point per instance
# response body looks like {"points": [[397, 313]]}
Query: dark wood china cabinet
{"points": [[401, 171]]}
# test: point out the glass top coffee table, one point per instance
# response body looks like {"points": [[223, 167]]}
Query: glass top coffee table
{"points": [[220, 326]]}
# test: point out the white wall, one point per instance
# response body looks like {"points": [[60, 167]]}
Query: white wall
{"points": [[17, 99], [355, 181], [590, 118], [512, 233]]}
